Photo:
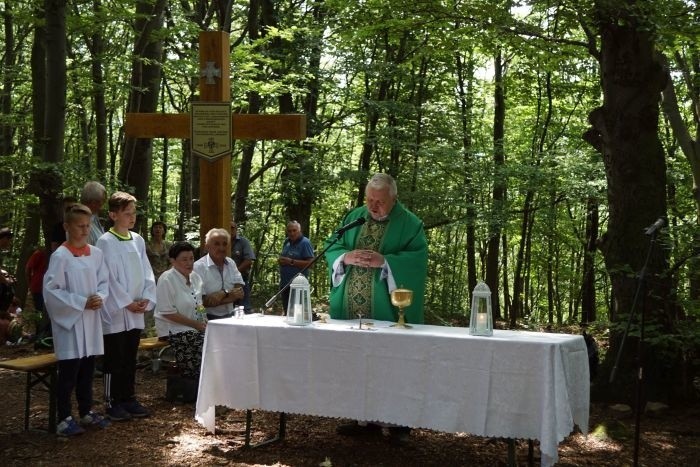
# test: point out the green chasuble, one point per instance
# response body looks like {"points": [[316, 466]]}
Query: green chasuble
{"points": [[401, 239]]}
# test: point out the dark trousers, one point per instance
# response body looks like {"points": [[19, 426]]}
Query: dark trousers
{"points": [[43, 327], [75, 373], [119, 366], [285, 300]]}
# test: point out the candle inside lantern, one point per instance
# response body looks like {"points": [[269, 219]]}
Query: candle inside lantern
{"points": [[298, 314], [481, 321]]}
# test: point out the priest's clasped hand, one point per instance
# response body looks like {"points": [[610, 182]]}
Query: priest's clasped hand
{"points": [[364, 258]]}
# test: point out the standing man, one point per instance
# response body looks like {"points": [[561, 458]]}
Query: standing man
{"points": [[297, 253], [388, 251], [94, 196], [243, 255]]}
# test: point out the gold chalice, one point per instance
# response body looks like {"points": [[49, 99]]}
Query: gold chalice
{"points": [[401, 298]]}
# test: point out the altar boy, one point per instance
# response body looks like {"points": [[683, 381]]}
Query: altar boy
{"points": [[75, 286], [132, 291]]}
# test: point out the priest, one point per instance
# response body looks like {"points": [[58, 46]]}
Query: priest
{"points": [[388, 251]]}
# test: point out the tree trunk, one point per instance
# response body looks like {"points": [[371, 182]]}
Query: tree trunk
{"points": [[137, 161], [690, 147], [499, 188], [6, 100], [625, 131], [50, 118], [465, 89], [98, 93], [588, 296], [41, 181]]}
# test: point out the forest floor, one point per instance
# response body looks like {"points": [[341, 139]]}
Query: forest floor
{"points": [[172, 437]]}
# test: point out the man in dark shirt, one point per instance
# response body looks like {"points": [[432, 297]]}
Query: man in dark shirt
{"points": [[243, 255]]}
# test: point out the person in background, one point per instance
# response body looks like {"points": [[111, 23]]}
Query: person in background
{"points": [[94, 196], [366, 264], [157, 249], [243, 255], [297, 253], [58, 234], [7, 280], [75, 286], [179, 311], [35, 269], [132, 291], [222, 283], [5, 242]]}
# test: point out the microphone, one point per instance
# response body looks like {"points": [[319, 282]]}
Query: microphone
{"points": [[357, 222], [651, 230]]}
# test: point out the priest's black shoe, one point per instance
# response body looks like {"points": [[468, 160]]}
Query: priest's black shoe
{"points": [[355, 429]]}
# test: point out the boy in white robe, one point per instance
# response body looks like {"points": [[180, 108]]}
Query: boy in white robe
{"points": [[75, 287], [132, 291]]}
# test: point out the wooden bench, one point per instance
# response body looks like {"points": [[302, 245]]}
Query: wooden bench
{"points": [[153, 346], [40, 369]]}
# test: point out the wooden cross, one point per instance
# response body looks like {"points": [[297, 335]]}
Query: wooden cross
{"points": [[214, 86]]}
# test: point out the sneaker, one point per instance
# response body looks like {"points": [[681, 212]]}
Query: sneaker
{"points": [[135, 409], [117, 413], [94, 419], [68, 427]]}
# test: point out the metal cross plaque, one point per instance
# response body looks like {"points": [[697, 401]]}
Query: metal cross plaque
{"points": [[211, 132]]}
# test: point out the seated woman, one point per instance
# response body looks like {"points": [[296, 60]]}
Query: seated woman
{"points": [[179, 311]]}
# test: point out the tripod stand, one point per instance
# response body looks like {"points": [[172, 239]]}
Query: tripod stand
{"points": [[652, 231]]}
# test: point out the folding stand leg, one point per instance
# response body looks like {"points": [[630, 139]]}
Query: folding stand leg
{"points": [[511, 452], [34, 378], [27, 400], [281, 430]]}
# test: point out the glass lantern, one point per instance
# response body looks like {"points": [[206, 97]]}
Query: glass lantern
{"points": [[299, 311], [481, 322]]}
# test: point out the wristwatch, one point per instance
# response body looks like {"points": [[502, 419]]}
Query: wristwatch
{"points": [[226, 293]]}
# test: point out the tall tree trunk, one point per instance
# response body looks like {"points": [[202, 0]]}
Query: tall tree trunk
{"points": [[6, 100], [98, 93], [498, 196], [48, 183], [465, 95], [255, 28], [137, 159], [625, 131], [39, 184], [689, 145], [588, 295]]}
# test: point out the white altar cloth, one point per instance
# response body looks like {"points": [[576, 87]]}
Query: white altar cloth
{"points": [[514, 384]]}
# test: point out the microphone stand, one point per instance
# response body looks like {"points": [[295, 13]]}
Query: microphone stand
{"points": [[640, 350], [338, 235]]}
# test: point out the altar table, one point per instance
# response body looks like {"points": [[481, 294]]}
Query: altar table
{"points": [[513, 384]]}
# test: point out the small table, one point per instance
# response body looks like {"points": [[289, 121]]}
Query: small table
{"points": [[513, 384]]}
